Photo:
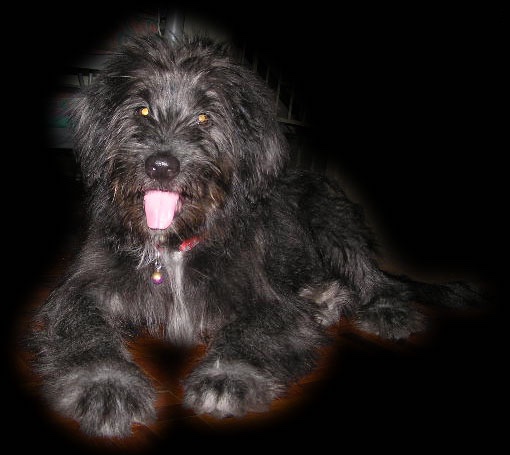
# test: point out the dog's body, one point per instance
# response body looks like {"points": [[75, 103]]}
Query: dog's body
{"points": [[199, 234]]}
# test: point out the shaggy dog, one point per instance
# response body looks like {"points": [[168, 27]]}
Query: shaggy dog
{"points": [[199, 234]]}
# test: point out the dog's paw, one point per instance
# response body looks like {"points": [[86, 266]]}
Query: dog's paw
{"points": [[229, 389], [389, 320], [105, 399]]}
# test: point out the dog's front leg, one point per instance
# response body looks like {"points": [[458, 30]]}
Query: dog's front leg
{"points": [[253, 360], [86, 369]]}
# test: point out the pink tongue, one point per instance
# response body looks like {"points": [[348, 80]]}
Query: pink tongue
{"points": [[160, 208]]}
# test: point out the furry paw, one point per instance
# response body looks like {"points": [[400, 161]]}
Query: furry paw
{"points": [[390, 319], [229, 389], [105, 399]]}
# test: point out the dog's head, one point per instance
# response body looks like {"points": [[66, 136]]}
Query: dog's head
{"points": [[171, 133]]}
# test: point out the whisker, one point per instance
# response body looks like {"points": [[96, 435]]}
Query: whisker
{"points": [[176, 233]]}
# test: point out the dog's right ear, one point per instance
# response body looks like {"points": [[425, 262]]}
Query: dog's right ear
{"points": [[83, 129], [89, 122]]}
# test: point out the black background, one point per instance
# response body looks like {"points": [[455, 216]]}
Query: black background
{"points": [[405, 100]]}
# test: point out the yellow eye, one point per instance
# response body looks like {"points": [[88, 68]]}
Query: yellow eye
{"points": [[203, 119], [144, 111]]}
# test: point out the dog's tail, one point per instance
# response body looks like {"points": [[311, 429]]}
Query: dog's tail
{"points": [[453, 294], [386, 311]]}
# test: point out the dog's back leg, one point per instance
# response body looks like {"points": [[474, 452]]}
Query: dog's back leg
{"points": [[377, 301], [356, 288], [381, 304]]}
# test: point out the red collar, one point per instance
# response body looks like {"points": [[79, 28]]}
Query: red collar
{"points": [[188, 244]]}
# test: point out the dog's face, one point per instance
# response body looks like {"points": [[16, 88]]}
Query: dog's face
{"points": [[171, 134]]}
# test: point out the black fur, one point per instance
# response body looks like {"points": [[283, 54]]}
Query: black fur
{"points": [[282, 254]]}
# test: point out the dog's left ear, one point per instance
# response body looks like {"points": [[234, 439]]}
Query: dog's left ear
{"points": [[264, 159], [259, 140]]}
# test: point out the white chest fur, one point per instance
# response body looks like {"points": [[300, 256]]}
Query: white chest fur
{"points": [[180, 325]]}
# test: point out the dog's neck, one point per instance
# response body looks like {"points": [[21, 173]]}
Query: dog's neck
{"points": [[159, 245]]}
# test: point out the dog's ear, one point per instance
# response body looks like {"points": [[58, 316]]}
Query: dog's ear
{"points": [[258, 138], [89, 126], [265, 154], [83, 127]]}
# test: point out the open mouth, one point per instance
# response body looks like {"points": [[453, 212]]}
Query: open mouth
{"points": [[161, 207]]}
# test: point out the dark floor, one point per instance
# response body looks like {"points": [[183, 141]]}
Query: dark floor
{"points": [[441, 387]]}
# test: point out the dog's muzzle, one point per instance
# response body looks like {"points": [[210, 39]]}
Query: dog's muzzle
{"points": [[162, 166]]}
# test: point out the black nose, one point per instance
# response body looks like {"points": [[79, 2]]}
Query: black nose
{"points": [[162, 166]]}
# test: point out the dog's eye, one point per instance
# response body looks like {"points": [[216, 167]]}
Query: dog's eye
{"points": [[203, 119], [144, 111]]}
